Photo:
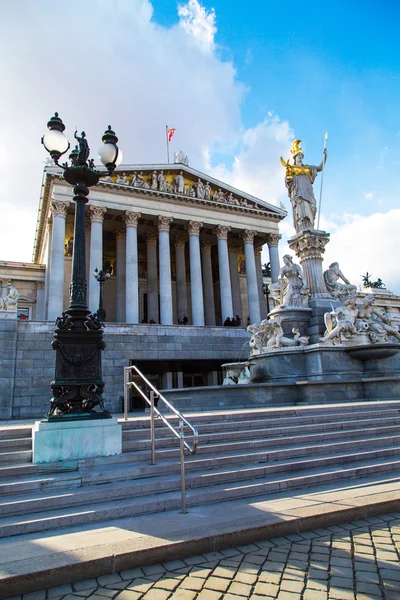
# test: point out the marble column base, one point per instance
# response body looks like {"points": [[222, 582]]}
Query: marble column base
{"points": [[69, 440]]}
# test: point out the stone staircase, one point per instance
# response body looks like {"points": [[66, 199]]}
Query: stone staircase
{"points": [[242, 454]]}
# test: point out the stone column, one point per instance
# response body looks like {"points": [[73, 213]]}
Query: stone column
{"points": [[224, 273], [234, 270], [131, 268], [40, 301], [181, 287], [310, 247], [56, 283], [257, 255], [96, 253], [196, 283], [152, 277], [208, 284], [165, 270], [273, 241], [251, 276], [180, 379], [121, 275], [48, 262]]}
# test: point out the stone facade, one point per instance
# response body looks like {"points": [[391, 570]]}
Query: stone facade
{"points": [[28, 368]]}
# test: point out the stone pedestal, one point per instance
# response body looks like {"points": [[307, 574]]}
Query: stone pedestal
{"points": [[309, 246], [292, 317], [69, 440]]}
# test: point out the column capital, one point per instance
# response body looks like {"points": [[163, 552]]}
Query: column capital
{"points": [[180, 241], [120, 235], [40, 285], [206, 245], [248, 236], [221, 231], [273, 239], [59, 208], [164, 223], [257, 251], [234, 248], [193, 227], [132, 218], [97, 213], [151, 238]]}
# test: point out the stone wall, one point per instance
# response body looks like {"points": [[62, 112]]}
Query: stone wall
{"points": [[28, 361]]}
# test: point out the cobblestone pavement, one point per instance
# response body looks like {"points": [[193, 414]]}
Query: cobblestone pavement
{"points": [[358, 560]]}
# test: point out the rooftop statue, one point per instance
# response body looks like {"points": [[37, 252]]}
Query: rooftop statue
{"points": [[333, 285], [299, 181]]}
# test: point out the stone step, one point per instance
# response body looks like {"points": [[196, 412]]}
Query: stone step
{"points": [[169, 463], [15, 432], [220, 443], [143, 485], [211, 434], [20, 485], [29, 469], [103, 511], [304, 412], [8, 444], [16, 456]]}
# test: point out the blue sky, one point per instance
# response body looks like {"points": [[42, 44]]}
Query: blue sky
{"points": [[238, 81]]}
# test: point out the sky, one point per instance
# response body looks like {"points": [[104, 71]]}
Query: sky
{"points": [[239, 82]]}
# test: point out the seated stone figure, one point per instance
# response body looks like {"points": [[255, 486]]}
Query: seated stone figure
{"points": [[291, 289], [377, 322], [10, 301], [334, 286], [269, 336]]}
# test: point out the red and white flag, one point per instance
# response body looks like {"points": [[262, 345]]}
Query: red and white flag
{"points": [[170, 133]]}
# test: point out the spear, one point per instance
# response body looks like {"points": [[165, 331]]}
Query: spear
{"points": [[322, 179]]}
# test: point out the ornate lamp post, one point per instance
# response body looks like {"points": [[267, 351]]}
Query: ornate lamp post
{"points": [[78, 338], [101, 276]]}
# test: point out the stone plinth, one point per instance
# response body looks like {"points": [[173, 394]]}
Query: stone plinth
{"points": [[309, 246], [8, 349], [291, 317], [68, 440]]}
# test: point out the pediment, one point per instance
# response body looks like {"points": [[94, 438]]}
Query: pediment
{"points": [[185, 183]]}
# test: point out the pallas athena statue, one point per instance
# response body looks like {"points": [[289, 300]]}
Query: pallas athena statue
{"points": [[299, 182]]}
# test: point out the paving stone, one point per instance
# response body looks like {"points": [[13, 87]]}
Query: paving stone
{"points": [[314, 595], [288, 596], [154, 569], [248, 578], [266, 589], [209, 595], [240, 589], [268, 577], [314, 584], [289, 585], [341, 594], [227, 572], [209, 556], [194, 560], [217, 583], [192, 583], [230, 552], [85, 584], [247, 549], [255, 559], [104, 593], [141, 585], [107, 579], [367, 597], [201, 572], [368, 577], [272, 566], [35, 595], [172, 565], [342, 582], [167, 583], [59, 590], [184, 595], [369, 588], [156, 595], [84, 593], [128, 595]]}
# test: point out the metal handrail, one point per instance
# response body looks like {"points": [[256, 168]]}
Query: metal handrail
{"points": [[179, 433]]}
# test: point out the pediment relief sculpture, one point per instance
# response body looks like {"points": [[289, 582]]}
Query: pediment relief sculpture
{"points": [[181, 184]]}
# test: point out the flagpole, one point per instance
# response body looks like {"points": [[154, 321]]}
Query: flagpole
{"points": [[322, 179], [166, 139]]}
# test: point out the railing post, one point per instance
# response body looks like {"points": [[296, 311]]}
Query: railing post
{"points": [[126, 380], [152, 432], [182, 453]]}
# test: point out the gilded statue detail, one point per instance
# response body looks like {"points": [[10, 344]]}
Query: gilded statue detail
{"points": [[299, 181]]}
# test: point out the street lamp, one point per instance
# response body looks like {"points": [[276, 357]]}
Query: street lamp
{"points": [[78, 337], [101, 276]]}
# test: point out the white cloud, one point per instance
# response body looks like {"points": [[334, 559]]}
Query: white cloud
{"points": [[200, 24], [369, 195]]}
